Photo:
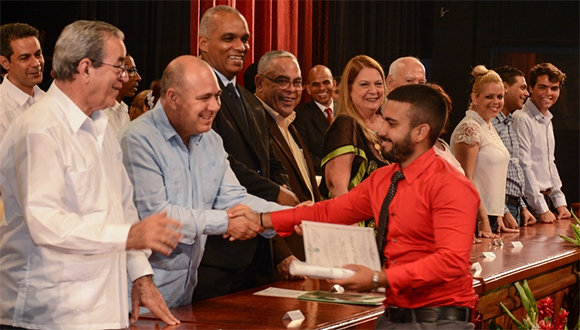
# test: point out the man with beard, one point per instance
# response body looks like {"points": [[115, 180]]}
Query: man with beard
{"points": [[119, 113], [430, 208]]}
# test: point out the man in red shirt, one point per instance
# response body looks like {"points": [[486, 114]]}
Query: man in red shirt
{"points": [[431, 219]]}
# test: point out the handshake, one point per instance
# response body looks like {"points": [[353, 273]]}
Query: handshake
{"points": [[243, 223]]}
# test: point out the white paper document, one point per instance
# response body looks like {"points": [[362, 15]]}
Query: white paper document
{"points": [[332, 245], [279, 292]]}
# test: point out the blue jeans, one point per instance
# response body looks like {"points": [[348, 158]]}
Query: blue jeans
{"points": [[516, 211]]}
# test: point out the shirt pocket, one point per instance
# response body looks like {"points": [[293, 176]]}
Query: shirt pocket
{"points": [[86, 190], [84, 282]]}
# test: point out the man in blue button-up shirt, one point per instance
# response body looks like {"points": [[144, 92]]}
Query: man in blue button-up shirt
{"points": [[178, 164]]}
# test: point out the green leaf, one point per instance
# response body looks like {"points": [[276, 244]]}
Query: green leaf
{"points": [[576, 231], [523, 297], [517, 323], [533, 302], [569, 239], [574, 215]]}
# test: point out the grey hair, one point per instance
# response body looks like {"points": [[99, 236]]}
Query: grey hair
{"points": [[393, 66], [207, 25], [266, 59], [79, 40]]}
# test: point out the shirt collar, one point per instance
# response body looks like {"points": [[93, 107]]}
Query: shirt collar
{"points": [[502, 118], [120, 107], [418, 166], [475, 116], [535, 112], [322, 107], [165, 127], [225, 80], [20, 96], [280, 121]]}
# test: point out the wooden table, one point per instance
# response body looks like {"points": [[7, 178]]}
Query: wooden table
{"points": [[548, 262], [244, 310]]}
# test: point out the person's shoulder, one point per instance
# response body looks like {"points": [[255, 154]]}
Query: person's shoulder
{"points": [[213, 138], [306, 107], [343, 121], [446, 176], [41, 115], [245, 94], [143, 126]]}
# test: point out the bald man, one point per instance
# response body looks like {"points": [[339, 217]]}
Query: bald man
{"points": [[314, 118], [178, 164], [405, 71]]}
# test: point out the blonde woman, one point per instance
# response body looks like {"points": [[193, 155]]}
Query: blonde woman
{"points": [[480, 151], [351, 147]]}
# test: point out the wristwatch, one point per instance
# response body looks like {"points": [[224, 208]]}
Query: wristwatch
{"points": [[375, 281]]}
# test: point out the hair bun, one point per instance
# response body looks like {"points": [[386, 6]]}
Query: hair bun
{"points": [[479, 70]]}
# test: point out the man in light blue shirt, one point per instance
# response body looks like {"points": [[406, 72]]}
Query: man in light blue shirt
{"points": [[178, 164]]}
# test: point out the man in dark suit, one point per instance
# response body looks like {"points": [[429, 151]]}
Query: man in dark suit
{"points": [[226, 266], [314, 118], [279, 87]]}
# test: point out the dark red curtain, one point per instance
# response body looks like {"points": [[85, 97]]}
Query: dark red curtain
{"points": [[300, 27]]}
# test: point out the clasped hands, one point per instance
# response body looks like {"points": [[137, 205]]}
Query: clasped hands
{"points": [[243, 223]]}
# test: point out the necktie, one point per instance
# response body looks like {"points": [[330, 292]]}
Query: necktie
{"points": [[239, 103], [328, 115], [384, 215]]}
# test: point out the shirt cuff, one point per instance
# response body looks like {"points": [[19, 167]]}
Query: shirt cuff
{"points": [[216, 222], [137, 264]]}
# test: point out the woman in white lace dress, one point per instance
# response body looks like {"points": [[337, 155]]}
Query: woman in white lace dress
{"points": [[480, 151]]}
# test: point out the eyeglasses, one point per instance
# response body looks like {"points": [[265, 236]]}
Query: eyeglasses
{"points": [[120, 69], [284, 83]]}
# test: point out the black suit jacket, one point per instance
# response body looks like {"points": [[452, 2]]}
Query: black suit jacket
{"points": [[250, 153], [312, 124], [257, 168], [282, 149]]}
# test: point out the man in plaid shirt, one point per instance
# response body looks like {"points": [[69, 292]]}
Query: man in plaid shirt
{"points": [[516, 211]]}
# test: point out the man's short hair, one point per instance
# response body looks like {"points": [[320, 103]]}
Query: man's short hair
{"points": [[428, 106], [172, 77], [206, 25], [266, 59], [79, 40], [554, 74], [508, 73], [14, 31]]}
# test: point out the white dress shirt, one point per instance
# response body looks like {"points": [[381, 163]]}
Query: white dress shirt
{"points": [[69, 207], [535, 136], [13, 102], [490, 172], [323, 108], [118, 118], [448, 155]]}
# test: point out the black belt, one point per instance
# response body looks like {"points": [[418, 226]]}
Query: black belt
{"points": [[428, 314], [512, 200]]}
